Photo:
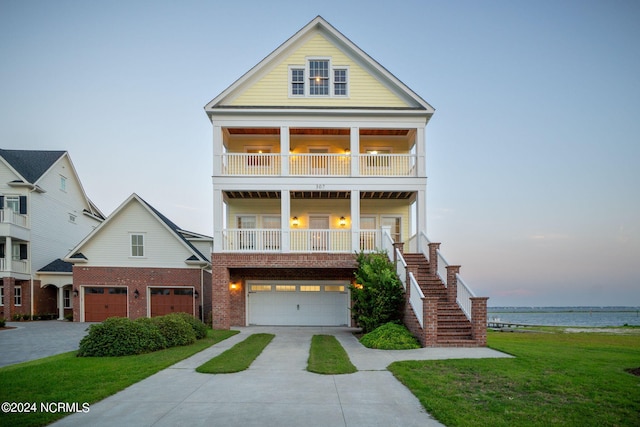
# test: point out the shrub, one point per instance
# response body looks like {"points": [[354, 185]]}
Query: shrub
{"points": [[69, 317], [3, 322], [390, 336], [379, 296], [119, 336], [175, 330], [198, 327]]}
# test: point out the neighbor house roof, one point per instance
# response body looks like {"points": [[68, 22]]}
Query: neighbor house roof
{"points": [[57, 266], [31, 164]]}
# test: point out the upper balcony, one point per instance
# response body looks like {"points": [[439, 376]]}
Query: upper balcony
{"points": [[319, 152], [13, 224]]}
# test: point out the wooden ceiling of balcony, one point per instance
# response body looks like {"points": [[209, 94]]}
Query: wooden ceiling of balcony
{"points": [[317, 131], [398, 195]]}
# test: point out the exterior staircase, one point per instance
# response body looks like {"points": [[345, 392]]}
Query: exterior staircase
{"points": [[454, 329]]}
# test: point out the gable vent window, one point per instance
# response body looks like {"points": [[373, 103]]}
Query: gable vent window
{"points": [[63, 183], [319, 78]]}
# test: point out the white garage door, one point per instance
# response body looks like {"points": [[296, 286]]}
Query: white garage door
{"points": [[298, 303]]}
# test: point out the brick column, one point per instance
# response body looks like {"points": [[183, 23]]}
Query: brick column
{"points": [[220, 299], [479, 320], [452, 282], [400, 247], [8, 283], [430, 318], [433, 258]]}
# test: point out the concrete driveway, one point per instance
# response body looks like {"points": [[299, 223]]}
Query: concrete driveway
{"points": [[35, 340], [276, 390]]}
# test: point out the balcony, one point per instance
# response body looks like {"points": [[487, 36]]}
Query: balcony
{"points": [[8, 216], [327, 164], [16, 266], [296, 240], [14, 225]]}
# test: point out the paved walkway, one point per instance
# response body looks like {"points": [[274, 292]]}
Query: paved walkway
{"points": [[35, 340], [276, 390]]}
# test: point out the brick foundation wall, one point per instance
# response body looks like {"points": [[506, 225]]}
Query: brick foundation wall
{"points": [[132, 279], [229, 305]]}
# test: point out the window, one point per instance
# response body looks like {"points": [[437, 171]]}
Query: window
{"points": [[66, 298], [63, 183], [323, 79], [285, 288], [319, 77], [13, 203], [19, 251], [137, 245], [297, 81], [309, 288], [1, 295], [334, 288], [260, 288], [17, 296], [340, 81]]}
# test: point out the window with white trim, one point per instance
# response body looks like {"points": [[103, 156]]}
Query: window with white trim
{"points": [[318, 78], [63, 183], [17, 296], [137, 245], [12, 203], [66, 298], [1, 296]]}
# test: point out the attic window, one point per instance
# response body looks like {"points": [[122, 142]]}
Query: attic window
{"points": [[318, 78]]}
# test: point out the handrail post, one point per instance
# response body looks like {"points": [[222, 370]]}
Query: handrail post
{"points": [[479, 320], [433, 258], [452, 282], [430, 319]]}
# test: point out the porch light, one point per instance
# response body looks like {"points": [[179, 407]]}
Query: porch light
{"points": [[136, 294], [196, 294], [294, 221], [75, 292], [233, 286], [347, 151], [343, 221]]}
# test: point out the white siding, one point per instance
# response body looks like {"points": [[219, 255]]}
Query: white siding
{"points": [[111, 245], [53, 235]]}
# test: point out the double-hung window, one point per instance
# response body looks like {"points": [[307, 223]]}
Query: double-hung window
{"points": [[66, 298], [17, 296], [137, 245], [318, 78]]}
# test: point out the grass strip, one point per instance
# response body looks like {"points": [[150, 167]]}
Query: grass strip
{"points": [[67, 378], [327, 356], [568, 379], [237, 358]]}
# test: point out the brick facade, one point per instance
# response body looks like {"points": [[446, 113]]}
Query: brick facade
{"points": [[140, 279], [233, 270]]}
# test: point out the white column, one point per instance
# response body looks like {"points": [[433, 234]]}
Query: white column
{"points": [[421, 143], [355, 220], [218, 220], [285, 214], [354, 146], [421, 217], [218, 149], [284, 150], [8, 253], [60, 303]]}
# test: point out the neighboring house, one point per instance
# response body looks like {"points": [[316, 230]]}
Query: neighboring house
{"points": [[44, 212], [319, 152], [138, 263]]}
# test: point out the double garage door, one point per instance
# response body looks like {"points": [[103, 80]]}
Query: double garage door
{"points": [[298, 303], [101, 302]]}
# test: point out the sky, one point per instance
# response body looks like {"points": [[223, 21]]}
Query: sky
{"points": [[532, 153]]}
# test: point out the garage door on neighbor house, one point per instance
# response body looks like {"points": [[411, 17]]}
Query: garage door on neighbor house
{"points": [[103, 302], [171, 300], [291, 303]]}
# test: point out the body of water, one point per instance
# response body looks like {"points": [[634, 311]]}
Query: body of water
{"points": [[566, 316]]}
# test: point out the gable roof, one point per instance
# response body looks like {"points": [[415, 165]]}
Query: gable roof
{"points": [[57, 266], [196, 256], [319, 24], [31, 164]]}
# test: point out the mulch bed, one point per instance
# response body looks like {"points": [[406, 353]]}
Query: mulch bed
{"points": [[634, 371]]}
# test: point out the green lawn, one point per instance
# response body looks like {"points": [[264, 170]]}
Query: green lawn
{"points": [[327, 356], [560, 379], [237, 358], [67, 378]]}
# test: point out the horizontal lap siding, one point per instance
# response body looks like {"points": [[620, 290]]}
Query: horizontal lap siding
{"points": [[364, 89]]}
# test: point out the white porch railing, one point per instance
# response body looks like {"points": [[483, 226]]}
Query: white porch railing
{"points": [[326, 164], [401, 268], [387, 164], [251, 240], [320, 164], [387, 241], [320, 241], [251, 164], [442, 268], [415, 299], [11, 217], [17, 266], [369, 240], [464, 296], [423, 241]]}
